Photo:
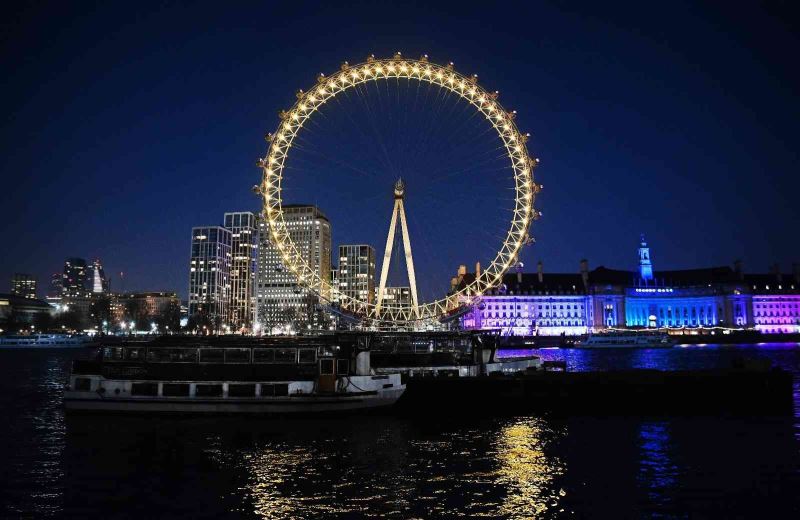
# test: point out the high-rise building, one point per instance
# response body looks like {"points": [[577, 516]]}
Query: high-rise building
{"points": [[244, 245], [55, 290], [23, 285], [395, 297], [209, 276], [356, 272], [99, 280], [74, 278], [283, 305]]}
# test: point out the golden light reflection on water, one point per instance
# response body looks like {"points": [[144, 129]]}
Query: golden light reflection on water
{"points": [[526, 470], [271, 471]]}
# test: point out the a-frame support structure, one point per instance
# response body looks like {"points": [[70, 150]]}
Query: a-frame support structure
{"points": [[399, 193]]}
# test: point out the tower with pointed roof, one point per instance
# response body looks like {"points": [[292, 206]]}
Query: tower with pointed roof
{"points": [[645, 266]]}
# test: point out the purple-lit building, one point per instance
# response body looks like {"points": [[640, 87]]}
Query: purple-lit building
{"points": [[572, 304], [776, 301]]}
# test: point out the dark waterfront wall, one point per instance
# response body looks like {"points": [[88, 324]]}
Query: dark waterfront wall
{"points": [[546, 466]]}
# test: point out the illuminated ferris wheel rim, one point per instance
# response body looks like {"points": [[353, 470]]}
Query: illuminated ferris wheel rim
{"points": [[374, 69]]}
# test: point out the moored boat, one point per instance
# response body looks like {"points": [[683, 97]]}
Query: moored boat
{"points": [[626, 340], [44, 341], [232, 375]]}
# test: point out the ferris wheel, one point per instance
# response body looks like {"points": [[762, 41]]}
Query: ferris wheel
{"points": [[301, 116]]}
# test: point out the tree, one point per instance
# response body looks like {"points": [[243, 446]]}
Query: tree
{"points": [[100, 311], [69, 320], [12, 321], [168, 317], [43, 321]]}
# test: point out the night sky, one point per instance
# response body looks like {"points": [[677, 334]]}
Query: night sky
{"points": [[124, 125]]}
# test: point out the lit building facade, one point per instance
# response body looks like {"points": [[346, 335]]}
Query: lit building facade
{"points": [[144, 305], [99, 280], [209, 275], [244, 246], [776, 301], [355, 275], [282, 304], [567, 304], [24, 285], [529, 304]]}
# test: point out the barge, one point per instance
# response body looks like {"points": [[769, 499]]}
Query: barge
{"points": [[626, 340], [448, 354], [282, 375]]}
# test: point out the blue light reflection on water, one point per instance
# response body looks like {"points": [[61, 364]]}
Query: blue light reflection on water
{"points": [[395, 467]]}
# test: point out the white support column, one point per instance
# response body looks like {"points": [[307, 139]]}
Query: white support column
{"points": [[412, 279], [399, 208], [387, 255]]}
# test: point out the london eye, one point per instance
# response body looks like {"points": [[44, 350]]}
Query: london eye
{"points": [[401, 82]]}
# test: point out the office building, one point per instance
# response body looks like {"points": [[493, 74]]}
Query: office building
{"points": [[244, 246], [74, 280], [356, 272], [209, 277], [99, 280], [396, 297], [23, 285], [284, 306]]}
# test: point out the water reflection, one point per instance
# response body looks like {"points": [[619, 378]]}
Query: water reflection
{"points": [[657, 473], [526, 470], [272, 469]]}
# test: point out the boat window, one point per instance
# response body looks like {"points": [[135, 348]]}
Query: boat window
{"points": [[281, 390], [208, 390], [267, 390], [157, 355], [242, 390], [175, 389], [286, 355], [149, 389], [403, 345], [211, 355], [183, 355], [307, 355], [326, 367], [83, 384], [112, 353], [342, 366], [135, 353], [237, 355], [263, 355], [172, 355], [326, 350], [424, 346]]}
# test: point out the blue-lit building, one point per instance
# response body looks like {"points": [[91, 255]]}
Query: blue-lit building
{"points": [[574, 304]]}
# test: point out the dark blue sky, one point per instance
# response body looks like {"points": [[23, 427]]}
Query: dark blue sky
{"points": [[124, 124]]}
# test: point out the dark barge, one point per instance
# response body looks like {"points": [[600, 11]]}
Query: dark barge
{"points": [[748, 391]]}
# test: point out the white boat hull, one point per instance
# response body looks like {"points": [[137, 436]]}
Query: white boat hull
{"points": [[112, 395]]}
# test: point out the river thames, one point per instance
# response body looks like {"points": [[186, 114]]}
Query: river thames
{"points": [[398, 467]]}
